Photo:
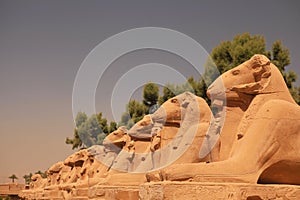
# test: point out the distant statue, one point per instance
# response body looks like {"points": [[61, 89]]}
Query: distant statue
{"points": [[37, 182], [173, 134]]}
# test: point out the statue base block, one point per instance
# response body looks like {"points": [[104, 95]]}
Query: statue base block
{"points": [[211, 191], [173, 190], [102, 192]]}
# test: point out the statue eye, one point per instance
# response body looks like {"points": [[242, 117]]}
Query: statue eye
{"points": [[236, 72], [174, 101]]}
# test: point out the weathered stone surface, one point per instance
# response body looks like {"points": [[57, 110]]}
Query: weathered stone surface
{"points": [[11, 189], [114, 192], [212, 191], [168, 190]]}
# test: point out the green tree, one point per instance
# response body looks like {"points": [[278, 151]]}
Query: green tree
{"points": [[76, 141], [199, 87], [126, 120], [13, 177], [80, 119], [100, 138], [229, 54], [113, 126], [102, 123], [90, 130], [150, 94], [27, 178], [135, 110], [168, 92], [280, 56]]}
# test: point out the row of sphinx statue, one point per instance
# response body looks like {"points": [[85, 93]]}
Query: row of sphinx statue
{"points": [[253, 137]]}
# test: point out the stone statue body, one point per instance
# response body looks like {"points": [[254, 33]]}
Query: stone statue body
{"points": [[38, 182], [185, 118], [267, 139]]}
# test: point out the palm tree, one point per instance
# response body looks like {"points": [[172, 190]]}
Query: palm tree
{"points": [[27, 178], [13, 177]]}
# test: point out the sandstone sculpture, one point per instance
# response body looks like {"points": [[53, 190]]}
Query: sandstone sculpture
{"points": [[177, 130], [173, 134], [37, 182], [254, 137], [266, 145], [81, 169]]}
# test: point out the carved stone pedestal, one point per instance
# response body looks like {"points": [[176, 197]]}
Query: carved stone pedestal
{"points": [[173, 191], [114, 193], [212, 191]]}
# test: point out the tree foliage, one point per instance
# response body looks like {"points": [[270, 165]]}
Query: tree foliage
{"points": [[27, 178], [80, 119], [168, 92], [76, 141], [229, 54], [13, 177], [90, 130], [112, 127], [136, 110], [280, 56], [150, 94]]}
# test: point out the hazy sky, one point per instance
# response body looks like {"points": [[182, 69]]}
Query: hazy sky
{"points": [[43, 43]]}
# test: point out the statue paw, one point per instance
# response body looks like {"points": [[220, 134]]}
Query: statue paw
{"points": [[154, 176], [67, 187], [163, 175], [52, 187]]}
